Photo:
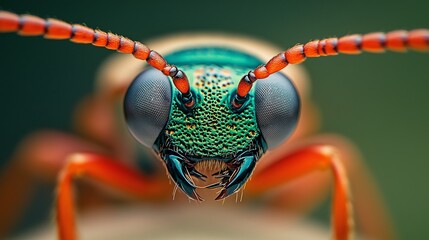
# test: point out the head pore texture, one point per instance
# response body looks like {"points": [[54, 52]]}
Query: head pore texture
{"points": [[212, 130]]}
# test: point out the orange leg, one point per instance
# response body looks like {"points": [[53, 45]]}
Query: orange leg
{"points": [[36, 161], [107, 171], [302, 162], [303, 194]]}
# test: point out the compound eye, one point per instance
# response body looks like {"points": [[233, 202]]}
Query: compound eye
{"points": [[277, 108], [147, 105]]}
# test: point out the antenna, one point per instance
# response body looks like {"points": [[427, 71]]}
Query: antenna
{"points": [[29, 25], [399, 40]]}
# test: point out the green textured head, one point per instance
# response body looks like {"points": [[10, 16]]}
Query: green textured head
{"points": [[212, 131]]}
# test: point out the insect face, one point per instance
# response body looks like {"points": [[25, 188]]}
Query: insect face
{"points": [[228, 140]]}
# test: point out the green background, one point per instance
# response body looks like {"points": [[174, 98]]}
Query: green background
{"points": [[380, 102]]}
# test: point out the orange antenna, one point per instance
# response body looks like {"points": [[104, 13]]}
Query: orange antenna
{"points": [[399, 41], [28, 25]]}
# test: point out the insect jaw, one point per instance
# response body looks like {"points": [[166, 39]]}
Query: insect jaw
{"points": [[233, 173]]}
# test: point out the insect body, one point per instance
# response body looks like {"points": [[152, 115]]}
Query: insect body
{"points": [[209, 109]]}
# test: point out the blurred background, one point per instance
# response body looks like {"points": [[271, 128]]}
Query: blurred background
{"points": [[380, 102]]}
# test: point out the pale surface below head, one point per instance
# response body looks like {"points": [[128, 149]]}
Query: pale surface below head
{"points": [[189, 222]]}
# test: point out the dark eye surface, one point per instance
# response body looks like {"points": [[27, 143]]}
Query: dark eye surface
{"points": [[147, 105], [277, 108]]}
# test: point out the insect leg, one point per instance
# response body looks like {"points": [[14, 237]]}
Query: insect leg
{"points": [[107, 171], [36, 161], [303, 194], [302, 162]]}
